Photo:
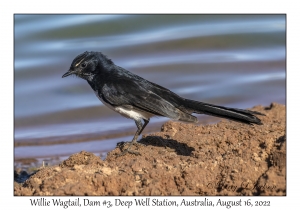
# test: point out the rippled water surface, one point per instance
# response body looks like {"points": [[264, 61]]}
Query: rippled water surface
{"points": [[230, 60]]}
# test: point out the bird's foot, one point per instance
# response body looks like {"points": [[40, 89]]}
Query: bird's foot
{"points": [[121, 145], [124, 152]]}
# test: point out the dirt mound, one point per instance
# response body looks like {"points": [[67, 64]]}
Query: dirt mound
{"points": [[227, 158]]}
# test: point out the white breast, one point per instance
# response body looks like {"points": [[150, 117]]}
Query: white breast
{"points": [[133, 113]]}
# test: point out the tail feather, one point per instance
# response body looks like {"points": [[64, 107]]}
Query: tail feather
{"points": [[239, 115]]}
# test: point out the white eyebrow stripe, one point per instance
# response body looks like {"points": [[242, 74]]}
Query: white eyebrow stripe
{"points": [[79, 62]]}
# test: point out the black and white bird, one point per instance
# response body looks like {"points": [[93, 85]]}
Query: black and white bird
{"points": [[139, 99]]}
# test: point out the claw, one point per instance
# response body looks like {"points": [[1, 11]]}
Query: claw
{"points": [[128, 149]]}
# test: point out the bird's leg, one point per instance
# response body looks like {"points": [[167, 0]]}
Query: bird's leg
{"points": [[140, 127]]}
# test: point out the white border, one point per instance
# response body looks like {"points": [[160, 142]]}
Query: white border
{"points": [[8, 8]]}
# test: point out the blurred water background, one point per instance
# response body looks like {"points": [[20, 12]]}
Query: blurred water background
{"points": [[230, 60]]}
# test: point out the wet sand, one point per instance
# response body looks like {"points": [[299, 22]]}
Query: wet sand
{"points": [[227, 158]]}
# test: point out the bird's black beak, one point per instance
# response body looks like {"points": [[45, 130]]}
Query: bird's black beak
{"points": [[68, 73]]}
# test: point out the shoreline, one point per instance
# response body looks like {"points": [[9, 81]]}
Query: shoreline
{"points": [[226, 158]]}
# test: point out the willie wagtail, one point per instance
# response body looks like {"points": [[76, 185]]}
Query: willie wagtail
{"points": [[139, 99]]}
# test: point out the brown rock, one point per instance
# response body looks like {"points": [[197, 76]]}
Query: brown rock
{"points": [[227, 158]]}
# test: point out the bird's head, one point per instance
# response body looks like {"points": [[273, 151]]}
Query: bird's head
{"points": [[86, 65]]}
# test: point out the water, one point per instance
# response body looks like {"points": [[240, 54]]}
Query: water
{"points": [[230, 60]]}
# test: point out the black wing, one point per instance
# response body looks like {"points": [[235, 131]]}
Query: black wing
{"points": [[135, 91]]}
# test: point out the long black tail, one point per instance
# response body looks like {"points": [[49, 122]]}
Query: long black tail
{"points": [[239, 115]]}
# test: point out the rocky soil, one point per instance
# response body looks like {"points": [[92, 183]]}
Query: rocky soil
{"points": [[227, 158]]}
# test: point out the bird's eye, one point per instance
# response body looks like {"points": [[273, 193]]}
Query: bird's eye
{"points": [[83, 65]]}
